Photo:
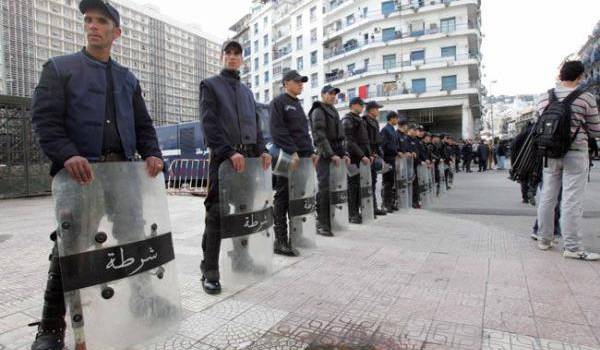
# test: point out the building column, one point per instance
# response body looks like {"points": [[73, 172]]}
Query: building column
{"points": [[467, 122]]}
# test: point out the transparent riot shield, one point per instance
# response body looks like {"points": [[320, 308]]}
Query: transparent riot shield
{"points": [[410, 175], [451, 173], [303, 191], [246, 206], [422, 184], [404, 202], [338, 196], [443, 168], [367, 209], [116, 257], [431, 182]]}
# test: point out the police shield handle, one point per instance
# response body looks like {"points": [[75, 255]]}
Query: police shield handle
{"points": [[295, 162], [336, 160], [79, 169], [154, 166]]}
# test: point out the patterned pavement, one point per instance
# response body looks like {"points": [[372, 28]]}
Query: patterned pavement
{"points": [[430, 279]]}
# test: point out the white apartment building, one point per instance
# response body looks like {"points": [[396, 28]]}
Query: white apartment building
{"points": [[280, 36], [169, 58], [418, 57]]}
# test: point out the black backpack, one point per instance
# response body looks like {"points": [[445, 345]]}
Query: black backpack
{"points": [[553, 129]]}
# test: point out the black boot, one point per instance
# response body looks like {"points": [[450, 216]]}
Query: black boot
{"points": [[283, 247], [210, 282], [51, 328], [324, 230], [380, 212]]}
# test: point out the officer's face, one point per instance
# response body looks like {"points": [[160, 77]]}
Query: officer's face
{"points": [[329, 98], [357, 108], [294, 87], [232, 59], [99, 29], [374, 113], [394, 121]]}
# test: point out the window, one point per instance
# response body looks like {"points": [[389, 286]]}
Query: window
{"points": [[266, 77], [389, 61], [388, 7], [350, 19], [418, 86], [366, 64], [417, 29], [267, 95], [256, 63], [256, 80], [300, 63], [449, 51], [313, 14], [256, 46], [257, 96], [449, 82], [266, 40], [313, 36], [351, 93], [255, 28], [448, 25], [314, 80], [265, 22], [417, 55], [388, 34], [266, 59], [351, 67], [299, 43], [313, 58], [298, 21]]}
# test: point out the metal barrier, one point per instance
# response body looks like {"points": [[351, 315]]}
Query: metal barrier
{"points": [[24, 170], [188, 176]]}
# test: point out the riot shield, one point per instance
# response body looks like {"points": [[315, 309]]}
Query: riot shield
{"points": [[367, 209], [431, 183], [422, 184], [410, 175], [303, 191], [246, 206], [443, 187], [116, 257], [338, 196], [402, 183]]}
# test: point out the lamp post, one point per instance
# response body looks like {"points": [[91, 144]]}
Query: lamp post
{"points": [[492, 107]]}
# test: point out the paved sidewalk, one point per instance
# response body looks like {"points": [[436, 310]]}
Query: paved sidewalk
{"points": [[424, 279]]}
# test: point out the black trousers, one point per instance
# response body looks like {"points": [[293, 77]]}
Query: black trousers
{"points": [[415, 185], [467, 164], [211, 240], [281, 208], [374, 186], [354, 195], [323, 213], [482, 164]]}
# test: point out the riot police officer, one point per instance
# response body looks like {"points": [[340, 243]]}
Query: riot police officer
{"points": [[232, 132], [328, 136], [289, 129], [371, 119], [357, 145], [391, 149], [418, 153], [75, 112]]}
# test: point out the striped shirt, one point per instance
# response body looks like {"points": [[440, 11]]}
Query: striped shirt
{"points": [[584, 115]]}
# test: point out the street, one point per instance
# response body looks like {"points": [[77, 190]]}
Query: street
{"points": [[463, 274]]}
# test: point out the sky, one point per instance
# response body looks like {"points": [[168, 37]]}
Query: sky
{"points": [[524, 40]]}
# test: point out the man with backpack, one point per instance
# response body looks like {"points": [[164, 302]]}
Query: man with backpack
{"points": [[567, 117]]}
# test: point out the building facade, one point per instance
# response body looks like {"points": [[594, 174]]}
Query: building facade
{"points": [[169, 58], [590, 56], [421, 58]]}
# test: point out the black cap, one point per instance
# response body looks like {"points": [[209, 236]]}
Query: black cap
{"points": [[356, 100], [391, 115], [402, 120], [373, 104], [413, 126], [294, 75], [232, 44], [420, 128], [328, 88], [102, 5]]}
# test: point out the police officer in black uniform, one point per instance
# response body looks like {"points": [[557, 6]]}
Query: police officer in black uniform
{"points": [[232, 132], [357, 145], [418, 152], [390, 146], [371, 119], [328, 136], [289, 129]]}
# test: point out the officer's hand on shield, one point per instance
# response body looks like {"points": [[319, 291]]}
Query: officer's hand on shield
{"points": [[347, 160], [154, 166], [315, 159], [414, 155], [366, 161], [295, 161], [80, 169], [266, 160], [238, 162], [336, 160]]}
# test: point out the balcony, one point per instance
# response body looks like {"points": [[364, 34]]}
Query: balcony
{"points": [[278, 72], [399, 66], [355, 45], [283, 34], [336, 4], [281, 53], [394, 92]]}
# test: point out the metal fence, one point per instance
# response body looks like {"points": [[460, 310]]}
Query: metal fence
{"points": [[23, 166], [188, 176]]}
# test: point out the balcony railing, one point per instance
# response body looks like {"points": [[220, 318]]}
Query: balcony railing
{"points": [[380, 91], [371, 68], [356, 44], [414, 5], [277, 54]]}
